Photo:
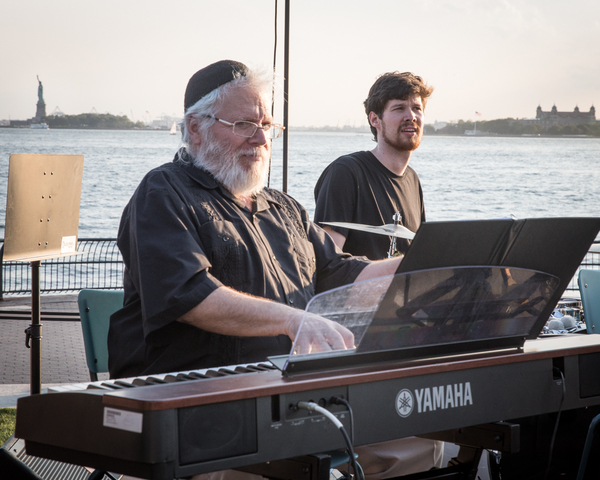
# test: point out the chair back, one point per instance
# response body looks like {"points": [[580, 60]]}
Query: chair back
{"points": [[589, 287], [95, 309]]}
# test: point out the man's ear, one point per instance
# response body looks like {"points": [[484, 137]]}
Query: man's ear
{"points": [[194, 131], [374, 119]]}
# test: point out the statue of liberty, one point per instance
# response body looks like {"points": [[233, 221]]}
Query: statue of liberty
{"points": [[40, 114], [40, 90]]}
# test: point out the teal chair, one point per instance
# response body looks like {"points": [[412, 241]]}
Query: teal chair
{"points": [[95, 309], [587, 447], [589, 287]]}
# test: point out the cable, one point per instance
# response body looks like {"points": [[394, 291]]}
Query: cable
{"points": [[273, 88], [557, 421], [346, 403], [311, 406], [274, 59], [323, 411]]}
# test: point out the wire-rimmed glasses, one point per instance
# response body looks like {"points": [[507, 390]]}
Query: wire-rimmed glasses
{"points": [[243, 128]]}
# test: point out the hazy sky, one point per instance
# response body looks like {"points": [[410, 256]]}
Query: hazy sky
{"points": [[498, 57]]}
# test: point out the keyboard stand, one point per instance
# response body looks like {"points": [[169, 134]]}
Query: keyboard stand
{"points": [[499, 436]]}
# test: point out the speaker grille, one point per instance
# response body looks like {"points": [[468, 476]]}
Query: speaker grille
{"points": [[211, 432]]}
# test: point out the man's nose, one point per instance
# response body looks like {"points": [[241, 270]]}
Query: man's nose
{"points": [[410, 115], [259, 137]]}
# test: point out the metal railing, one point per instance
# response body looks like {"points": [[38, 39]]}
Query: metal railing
{"points": [[590, 262], [98, 265]]}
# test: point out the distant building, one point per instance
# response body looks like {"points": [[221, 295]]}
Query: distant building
{"points": [[554, 117], [165, 122]]}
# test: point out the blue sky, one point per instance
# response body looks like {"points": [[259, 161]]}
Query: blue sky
{"points": [[498, 57]]}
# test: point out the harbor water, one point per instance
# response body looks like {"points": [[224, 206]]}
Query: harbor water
{"points": [[472, 177]]}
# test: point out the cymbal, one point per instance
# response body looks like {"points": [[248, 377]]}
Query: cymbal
{"points": [[390, 229]]}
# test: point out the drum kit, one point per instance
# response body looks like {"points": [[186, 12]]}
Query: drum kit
{"points": [[394, 230]]}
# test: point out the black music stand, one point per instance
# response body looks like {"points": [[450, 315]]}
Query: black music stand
{"points": [[42, 221], [555, 246]]}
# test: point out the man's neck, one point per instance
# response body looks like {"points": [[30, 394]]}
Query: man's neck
{"points": [[247, 200], [395, 161]]}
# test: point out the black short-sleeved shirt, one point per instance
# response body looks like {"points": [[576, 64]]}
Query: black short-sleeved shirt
{"points": [[357, 188], [182, 236]]}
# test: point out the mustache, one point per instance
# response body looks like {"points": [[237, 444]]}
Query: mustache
{"points": [[250, 152]]}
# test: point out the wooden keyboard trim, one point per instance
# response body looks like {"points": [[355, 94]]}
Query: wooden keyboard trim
{"points": [[238, 387]]}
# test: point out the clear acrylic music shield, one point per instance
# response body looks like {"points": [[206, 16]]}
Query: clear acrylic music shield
{"points": [[425, 313]]}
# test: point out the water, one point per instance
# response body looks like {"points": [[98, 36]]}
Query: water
{"points": [[462, 177]]}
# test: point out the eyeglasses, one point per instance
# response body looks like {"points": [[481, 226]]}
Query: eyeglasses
{"points": [[248, 129]]}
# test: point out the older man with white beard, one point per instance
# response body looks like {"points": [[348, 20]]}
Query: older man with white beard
{"points": [[218, 267]]}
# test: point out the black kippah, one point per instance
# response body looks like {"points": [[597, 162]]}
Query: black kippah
{"points": [[213, 76]]}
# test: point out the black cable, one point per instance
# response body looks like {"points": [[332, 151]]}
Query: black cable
{"points": [[274, 61], [352, 461], [358, 473], [557, 422], [273, 89], [346, 403]]}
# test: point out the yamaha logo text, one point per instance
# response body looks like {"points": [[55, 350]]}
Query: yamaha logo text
{"points": [[433, 398]]}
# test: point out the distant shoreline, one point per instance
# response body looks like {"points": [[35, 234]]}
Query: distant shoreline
{"points": [[505, 135], [82, 128], [326, 130]]}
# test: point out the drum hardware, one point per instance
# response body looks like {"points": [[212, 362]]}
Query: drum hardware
{"points": [[397, 218], [394, 230], [567, 317]]}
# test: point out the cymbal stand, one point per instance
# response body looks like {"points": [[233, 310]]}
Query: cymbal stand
{"points": [[397, 221]]}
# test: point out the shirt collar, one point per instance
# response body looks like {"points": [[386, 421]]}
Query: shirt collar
{"points": [[264, 198]]}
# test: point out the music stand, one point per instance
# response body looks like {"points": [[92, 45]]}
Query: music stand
{"points": [[42, 221], [555, 246]]}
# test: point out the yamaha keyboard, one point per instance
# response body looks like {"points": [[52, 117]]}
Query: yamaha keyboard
{"points": [[204, 421]]}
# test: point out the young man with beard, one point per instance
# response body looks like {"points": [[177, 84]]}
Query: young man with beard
{"points": [[370, 187]]}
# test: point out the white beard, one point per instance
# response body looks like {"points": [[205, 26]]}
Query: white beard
{"points": [[224, 164]]}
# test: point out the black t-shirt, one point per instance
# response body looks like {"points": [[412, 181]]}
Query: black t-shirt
{"points": [[182, 236], [357, 188]]}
